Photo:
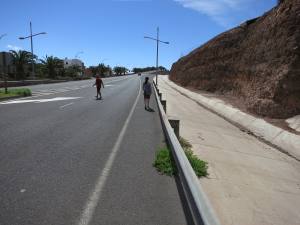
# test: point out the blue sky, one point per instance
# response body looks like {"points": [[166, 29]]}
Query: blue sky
{"points": [[112, 31]]}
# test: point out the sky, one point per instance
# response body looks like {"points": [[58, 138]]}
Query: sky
{"points": [[112, 31]]}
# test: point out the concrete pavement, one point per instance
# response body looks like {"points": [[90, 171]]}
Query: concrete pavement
{"points": [[250, 183], [284, 140], [56, 164]]}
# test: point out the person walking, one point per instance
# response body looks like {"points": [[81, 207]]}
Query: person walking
{"points": [[147, 92], [98, 84]]}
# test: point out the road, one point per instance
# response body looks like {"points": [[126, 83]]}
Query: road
{"points": [[66, 158]]}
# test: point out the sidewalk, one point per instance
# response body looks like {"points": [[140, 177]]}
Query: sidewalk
{"points": [[250, 183]]}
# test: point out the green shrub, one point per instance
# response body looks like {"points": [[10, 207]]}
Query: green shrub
{"points": [[21, 91], [16, 92], [198, 165], [163, 162], [184, 143], [165, 165]]}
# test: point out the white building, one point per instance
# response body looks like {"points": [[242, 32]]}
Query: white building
{"points": [[74, 62]]}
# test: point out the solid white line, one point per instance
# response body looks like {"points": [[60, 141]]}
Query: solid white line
{"points": [[94, 196], [63, 106]]}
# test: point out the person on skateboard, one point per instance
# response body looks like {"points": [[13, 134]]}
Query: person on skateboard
{"points": [[98, 84]]}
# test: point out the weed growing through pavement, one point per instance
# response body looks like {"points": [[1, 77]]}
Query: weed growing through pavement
{"points": [[164, 162], [199, 166]]}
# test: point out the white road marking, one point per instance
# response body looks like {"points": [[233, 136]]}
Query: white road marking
{"points": [[38, 100], [94, 196], [117, 80], [63, 106], [41, 92]]}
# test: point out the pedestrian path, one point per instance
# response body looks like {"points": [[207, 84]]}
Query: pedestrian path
{"points": [[250, 183]]}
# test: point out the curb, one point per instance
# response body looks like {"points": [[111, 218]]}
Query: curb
{"points": [[287, 142], [13, 97]]}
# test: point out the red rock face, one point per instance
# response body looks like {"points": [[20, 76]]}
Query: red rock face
{"points": [[259, 61]]}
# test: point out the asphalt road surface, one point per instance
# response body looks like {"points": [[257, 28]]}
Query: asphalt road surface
{"points": [[67, 158]]}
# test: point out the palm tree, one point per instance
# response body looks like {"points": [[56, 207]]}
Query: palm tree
{"points": [[52, 65], [73, 71], [21, 59], [118, 70], [94, 70], [102, 69]]}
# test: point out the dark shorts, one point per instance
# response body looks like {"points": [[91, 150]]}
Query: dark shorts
{"points": [[146, 96], [98, 89]]}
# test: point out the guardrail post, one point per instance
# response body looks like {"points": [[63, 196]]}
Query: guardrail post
{"points": [[164, 104], [160, 95], [175, 125]]}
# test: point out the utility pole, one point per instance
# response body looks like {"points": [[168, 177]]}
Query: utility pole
{"points": [[157, 44], [31, 44]]}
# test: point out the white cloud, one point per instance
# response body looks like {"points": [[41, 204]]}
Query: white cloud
{"points": [[219, 10], [13, 47]]}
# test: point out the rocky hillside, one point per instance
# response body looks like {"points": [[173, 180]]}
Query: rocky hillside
{"points": [[259, 62]]}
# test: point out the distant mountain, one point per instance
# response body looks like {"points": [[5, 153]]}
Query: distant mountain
{"points": [[258, 61]]}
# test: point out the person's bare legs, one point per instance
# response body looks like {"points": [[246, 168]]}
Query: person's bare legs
{"points": [[145, 102]]}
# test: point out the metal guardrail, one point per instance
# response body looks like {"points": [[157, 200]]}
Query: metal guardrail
{"points": [[199, 206]]}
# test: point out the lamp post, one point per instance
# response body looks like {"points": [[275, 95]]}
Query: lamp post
{"points": [[1, 36], [31, 44], [157, 44], [78, 53]]}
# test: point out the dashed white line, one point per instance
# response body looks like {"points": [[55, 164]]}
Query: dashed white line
{"points": [[94, 197], [63, 106]]}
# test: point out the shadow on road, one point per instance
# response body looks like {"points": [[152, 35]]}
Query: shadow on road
{"points": [[150, 110]]}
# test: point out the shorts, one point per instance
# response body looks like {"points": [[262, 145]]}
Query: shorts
{"points": [[146, 96], [98, 89]]}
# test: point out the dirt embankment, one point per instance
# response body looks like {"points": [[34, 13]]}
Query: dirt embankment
{"points": [[258, 62]]}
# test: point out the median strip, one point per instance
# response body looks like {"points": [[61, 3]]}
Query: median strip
{"points": [[16, 92]]}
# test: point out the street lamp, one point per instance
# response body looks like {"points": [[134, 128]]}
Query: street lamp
{"points": [[157, 44], [78, 53], [101, 61], [31, 42], [1, 36]]}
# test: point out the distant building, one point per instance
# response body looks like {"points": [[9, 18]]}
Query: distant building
{"points": [[74, 62], [88, 72]]}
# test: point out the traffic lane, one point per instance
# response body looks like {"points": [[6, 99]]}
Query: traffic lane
{"points": [[48, 181], [135, 193], [49, 91], [27, 121], [71, 83], [12, 114]]}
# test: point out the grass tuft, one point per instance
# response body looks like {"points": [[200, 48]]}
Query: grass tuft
{"points": [[15, 92], [200, 167], [185, 144], [163, 162]]}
